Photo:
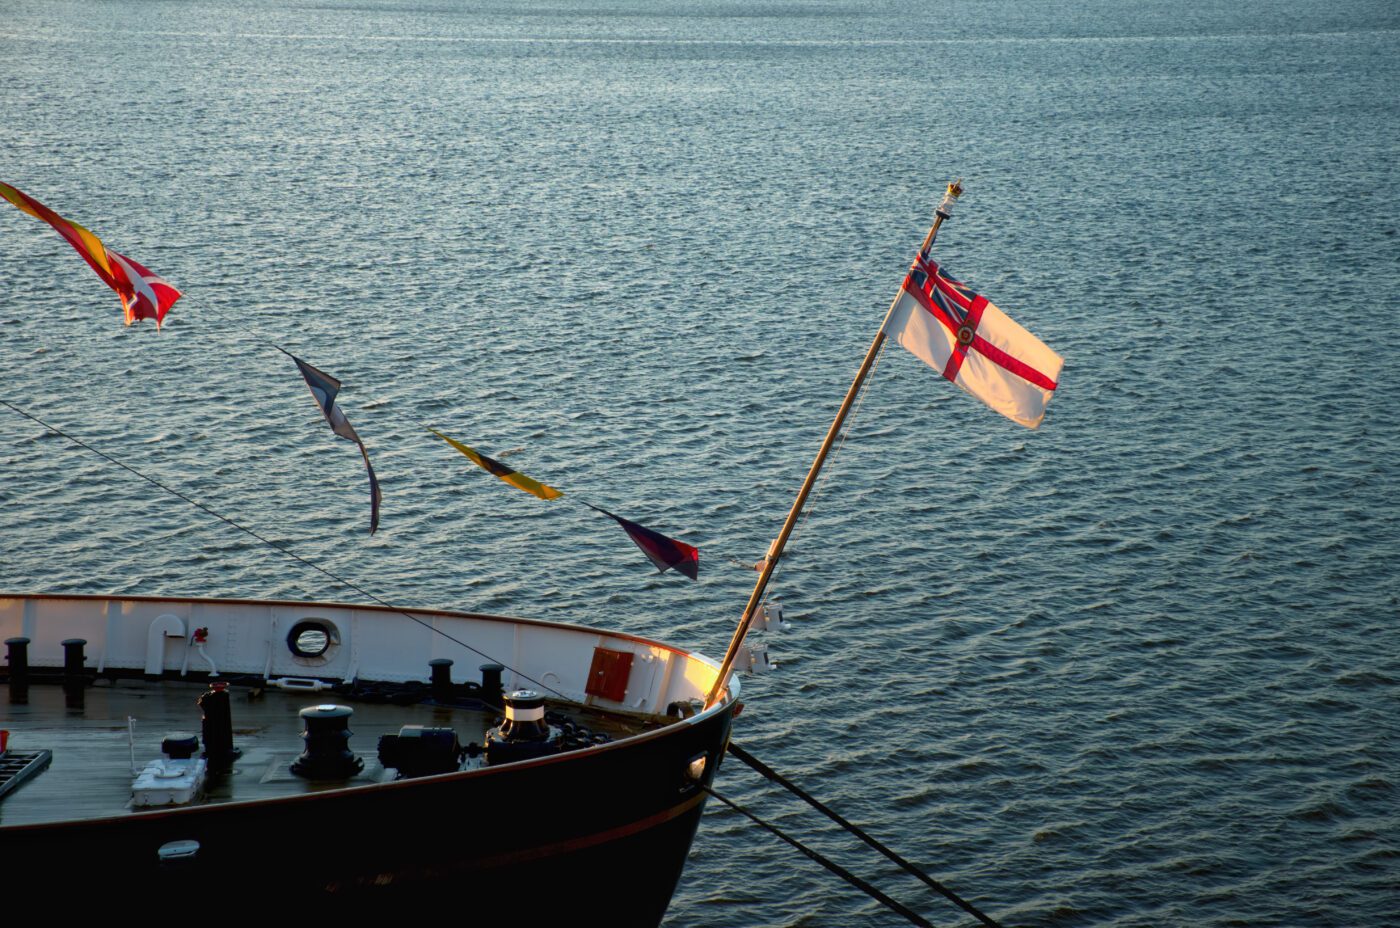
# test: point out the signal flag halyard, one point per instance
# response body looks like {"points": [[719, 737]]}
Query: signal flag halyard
{"points": [[964, 337], [663, 552], [144, 295]]}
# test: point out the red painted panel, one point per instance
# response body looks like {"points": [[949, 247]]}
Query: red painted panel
{"points": [[608, 675]]}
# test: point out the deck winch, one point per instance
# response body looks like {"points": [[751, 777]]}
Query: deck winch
{"points": [[420, 751], [327, 738], [524, 733]]}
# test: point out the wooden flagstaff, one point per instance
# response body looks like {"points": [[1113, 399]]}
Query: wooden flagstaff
{"points": [[775, 551]]}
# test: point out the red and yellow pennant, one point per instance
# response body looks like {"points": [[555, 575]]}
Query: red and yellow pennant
{"points": [[144, 295]]}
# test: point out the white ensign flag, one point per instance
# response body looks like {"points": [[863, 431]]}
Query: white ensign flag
{"points": [[972, 343]]}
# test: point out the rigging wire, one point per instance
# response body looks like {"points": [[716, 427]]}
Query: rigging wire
{"points": [[570, 497], [863, 885], [734, 749], [349, 584], [771, 774]]}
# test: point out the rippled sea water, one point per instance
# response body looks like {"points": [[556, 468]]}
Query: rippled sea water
{"points": [[1140, 667]]}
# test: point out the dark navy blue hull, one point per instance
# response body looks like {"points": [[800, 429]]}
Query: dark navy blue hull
{"points": [[604, 830]]}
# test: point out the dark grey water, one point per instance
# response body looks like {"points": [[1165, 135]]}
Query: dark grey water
{"points": [[1138, 668]]}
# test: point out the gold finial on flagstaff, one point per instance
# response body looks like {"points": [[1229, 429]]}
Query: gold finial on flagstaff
{"points": [[945, 209]]}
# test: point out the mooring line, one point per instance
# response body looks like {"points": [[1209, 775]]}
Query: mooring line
{"points": [[830, 813], [828, 863], [348, 584]]}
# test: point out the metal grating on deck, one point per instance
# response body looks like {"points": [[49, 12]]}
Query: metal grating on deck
{"points": [[16, 768]]}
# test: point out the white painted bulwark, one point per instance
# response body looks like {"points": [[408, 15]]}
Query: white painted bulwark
{"points": [[364, 642]]}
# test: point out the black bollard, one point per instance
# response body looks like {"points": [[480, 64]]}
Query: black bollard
{"points": [[17, 656], [491, 691], [442, 678], [74, 676]]}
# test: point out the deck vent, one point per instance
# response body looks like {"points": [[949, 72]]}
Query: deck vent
{"points": [[218, 727], [327, 737]]}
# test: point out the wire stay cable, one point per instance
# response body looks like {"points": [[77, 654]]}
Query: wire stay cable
{"points": [[863, 885], [830, 813], [348, 584], [412, 423]]}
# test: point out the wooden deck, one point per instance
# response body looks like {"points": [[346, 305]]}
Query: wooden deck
{"points": [[91, 772]]}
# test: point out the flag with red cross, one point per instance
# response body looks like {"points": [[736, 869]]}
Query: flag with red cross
{"points": [[963, 336]]}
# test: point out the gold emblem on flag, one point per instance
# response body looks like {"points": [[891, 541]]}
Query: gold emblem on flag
{"points": [[965, 335]]}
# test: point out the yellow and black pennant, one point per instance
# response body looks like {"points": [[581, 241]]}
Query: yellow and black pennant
{"points": [[512, 477]]}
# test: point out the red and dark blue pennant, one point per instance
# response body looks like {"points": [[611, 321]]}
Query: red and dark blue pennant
{"points": [[664, 552]]}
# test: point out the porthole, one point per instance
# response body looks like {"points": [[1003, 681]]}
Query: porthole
{"points": [[311, 638]]}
